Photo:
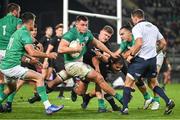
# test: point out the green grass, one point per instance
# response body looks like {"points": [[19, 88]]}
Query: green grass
{"points": [[23, 110]]}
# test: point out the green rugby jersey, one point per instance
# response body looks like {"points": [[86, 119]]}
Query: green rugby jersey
{"points": [[16, 48], [8, 26], [125, 45], [83, 38]]}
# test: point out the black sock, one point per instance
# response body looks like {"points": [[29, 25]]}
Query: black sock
{"points": [[110, 99], [61, 92], [126, 97], [161, 93], [9, 104], [89, 97]]}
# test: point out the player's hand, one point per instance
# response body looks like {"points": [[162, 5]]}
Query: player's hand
{"points": [[98, 53], [126, 54], [79, 48], [129, 58], [115, 55], [52, 55]]}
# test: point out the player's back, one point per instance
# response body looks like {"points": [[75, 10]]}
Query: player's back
{"points": [[150, 35], [15, 49], [8, 26]]}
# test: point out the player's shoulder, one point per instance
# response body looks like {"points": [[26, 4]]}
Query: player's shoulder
{"points": [[70, 35]]}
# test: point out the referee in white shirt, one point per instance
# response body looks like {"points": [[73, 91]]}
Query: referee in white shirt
{"points": [[143, 59]]}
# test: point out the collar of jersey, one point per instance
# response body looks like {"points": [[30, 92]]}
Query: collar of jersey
{"points": [[9, 14]]}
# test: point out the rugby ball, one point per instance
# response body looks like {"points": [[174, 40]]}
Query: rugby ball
{"points": [[74, 44]]}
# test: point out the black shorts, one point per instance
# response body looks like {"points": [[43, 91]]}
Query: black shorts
{"points": [[139, 67], [56, 64]]}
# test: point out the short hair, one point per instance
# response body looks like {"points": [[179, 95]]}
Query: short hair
{"points": [[12, 6], [128, 27], [119, 60], [83, 18], [138, 13], [59, 26], [108, 29], [27, 16]]}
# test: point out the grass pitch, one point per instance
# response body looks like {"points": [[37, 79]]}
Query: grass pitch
{"points": [[23, 110]]}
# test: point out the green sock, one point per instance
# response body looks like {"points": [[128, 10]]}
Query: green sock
{"points": [[118, 97], [101, 103], [42, 93], [157, 99], [11, 97], [2, 97], [1, 88], [146, 96]]}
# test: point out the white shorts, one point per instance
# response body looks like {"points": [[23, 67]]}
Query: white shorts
{"points": [[15, 73], [78, 69], [118, 82], [2, 54], [160, 59]]}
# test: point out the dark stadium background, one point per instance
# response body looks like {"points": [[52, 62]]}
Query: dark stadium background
{"points": [[163, 13]]}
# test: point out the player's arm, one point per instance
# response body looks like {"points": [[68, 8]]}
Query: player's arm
{"points": [[28, 59], [118, 51], [137, 46], [34, 53], [105, 57], [102, 47], [161, 45], [49, 49], [64, 47]]}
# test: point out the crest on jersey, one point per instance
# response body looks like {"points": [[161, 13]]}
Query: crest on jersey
{"points": [[86, 38]]}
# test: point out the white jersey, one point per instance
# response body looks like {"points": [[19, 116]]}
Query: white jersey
{"points": [[150, 35]]}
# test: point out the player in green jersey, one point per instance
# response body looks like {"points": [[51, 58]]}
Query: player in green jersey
{"points": [[74, 65], [20, 44], [8, 25]]}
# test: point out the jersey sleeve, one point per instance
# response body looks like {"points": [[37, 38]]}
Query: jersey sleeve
{"points": [[122, 46], [159, 36], [19, 22], [137, 33], [42, 40], [53, 41], [91, 37], [26, 38], [68, 36]]}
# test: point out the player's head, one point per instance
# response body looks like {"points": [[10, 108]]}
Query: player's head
{"points": [[137, 15], [125, 33], [48, 31], [117, 64], [59, 30], [34, 31], [28, 19], [106, 33], [82, 24], [14, 9]]}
